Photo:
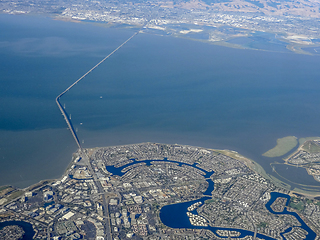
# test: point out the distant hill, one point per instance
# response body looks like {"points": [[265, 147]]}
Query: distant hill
{"points": [[304, 8]]}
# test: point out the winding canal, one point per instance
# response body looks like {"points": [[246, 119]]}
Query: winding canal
{"points": [[175, 215], [27, 228]]}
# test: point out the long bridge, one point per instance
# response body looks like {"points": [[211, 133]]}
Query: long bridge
{"points": [[74, 134], [63, 111]]}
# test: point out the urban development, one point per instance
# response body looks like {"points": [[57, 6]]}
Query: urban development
{"points": [[163, 191], [136, 192], [293, 24]]}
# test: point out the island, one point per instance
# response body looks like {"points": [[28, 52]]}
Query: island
{"points": [[159, 191], [284, 145]]}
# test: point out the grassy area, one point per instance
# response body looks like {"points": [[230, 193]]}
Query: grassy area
{"points": [[311, 147], [39, 184], [297, 204], [15, 194], [283, 146], [262, 225], [210, 201], [303, 140], [6, 190], [4, 187]]}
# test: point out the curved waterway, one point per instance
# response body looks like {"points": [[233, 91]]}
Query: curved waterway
{"points": [[274, 196], [27, 227], [175, 215]]}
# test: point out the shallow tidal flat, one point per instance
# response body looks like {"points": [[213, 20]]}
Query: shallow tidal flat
{"points": [[284, 145]]}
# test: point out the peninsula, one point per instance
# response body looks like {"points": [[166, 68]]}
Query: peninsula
{"points": [[161, 191], [307, 156]]}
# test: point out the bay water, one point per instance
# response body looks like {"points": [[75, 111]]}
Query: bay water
{"points": [[155, 88]]}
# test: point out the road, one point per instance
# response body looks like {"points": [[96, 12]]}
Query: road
{"points": [[100, 190], [83, 153]]}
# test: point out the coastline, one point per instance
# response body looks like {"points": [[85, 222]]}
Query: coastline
{"points": [[253, 165], [301, 142], [117, 161]]}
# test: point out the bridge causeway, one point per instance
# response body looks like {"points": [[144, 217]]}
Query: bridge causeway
{"points": [[63, 111]]}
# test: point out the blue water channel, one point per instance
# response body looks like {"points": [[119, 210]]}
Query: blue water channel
{"points": [[274, 196], [27, 227], [175, 215]]}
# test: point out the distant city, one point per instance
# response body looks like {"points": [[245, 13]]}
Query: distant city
{"points": [[294, 22]]}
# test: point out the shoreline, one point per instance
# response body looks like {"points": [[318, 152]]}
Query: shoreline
{"points": [[291, 46], [83, 170], [253, 165]]}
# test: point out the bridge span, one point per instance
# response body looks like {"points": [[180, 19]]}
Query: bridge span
{"points": [[63, 111], [74, 134]]}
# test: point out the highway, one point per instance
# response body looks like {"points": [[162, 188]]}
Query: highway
{"points": [[86, 159]]}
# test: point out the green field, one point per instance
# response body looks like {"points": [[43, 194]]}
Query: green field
{"points": [[283, 146], [15, 194], [303, 140], [298, 206], [311, 147], [4, 187]]}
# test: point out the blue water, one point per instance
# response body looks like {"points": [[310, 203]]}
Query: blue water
{"points": [[175, 215], [27, 227], [119, 170], [274, 196], [39, 58], [155, 88]]}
